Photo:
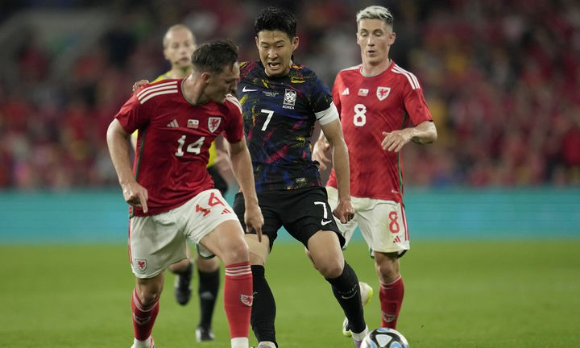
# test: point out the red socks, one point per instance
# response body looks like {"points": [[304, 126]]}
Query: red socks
{"points": [[391, 297], [238, 298], [143, 317]]}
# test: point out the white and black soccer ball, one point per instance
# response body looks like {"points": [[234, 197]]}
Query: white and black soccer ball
{"points": [[384, 338]]}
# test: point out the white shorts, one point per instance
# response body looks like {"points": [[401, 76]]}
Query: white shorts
{"points": [[157, 241], [382, 223]]}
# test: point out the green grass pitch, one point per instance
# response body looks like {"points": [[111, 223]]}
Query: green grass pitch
{"points": [[458, 294]]}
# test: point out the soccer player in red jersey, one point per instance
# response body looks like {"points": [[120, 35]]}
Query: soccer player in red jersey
{"points": [[382, 109], [178, 46], [171, 193]]}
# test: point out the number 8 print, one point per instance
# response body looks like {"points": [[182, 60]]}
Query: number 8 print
{"points": [[360, 117]]}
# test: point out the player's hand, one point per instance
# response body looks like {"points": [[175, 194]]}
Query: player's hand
{"points": [[254, 220], [395, 140], [136, 195], [138, 85], [344, 211], [321, 153]]}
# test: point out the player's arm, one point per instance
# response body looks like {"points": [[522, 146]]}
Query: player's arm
{"points": [[424, 133], [333, 133], [117, 141], [222, 150], [134, 89], [243, 171], [321, 152]]}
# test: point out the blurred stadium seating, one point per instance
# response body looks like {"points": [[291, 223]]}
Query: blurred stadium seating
{"points": [[501, 78]]}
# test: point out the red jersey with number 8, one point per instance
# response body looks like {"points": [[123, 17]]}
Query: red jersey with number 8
{"points": [[368, 106], [174, 139]]}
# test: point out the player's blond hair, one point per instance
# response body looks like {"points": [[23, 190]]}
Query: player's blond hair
{"points": [[376, 12], [175, 28]]}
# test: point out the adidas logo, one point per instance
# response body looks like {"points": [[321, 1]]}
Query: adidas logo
{"points": [[346, 91], [173, 124]]}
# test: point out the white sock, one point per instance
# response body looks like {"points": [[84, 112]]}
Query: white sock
{"points": [[141, 344], [361, 335], [240, 342]]}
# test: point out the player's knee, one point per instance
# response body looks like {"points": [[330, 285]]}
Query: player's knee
{"points": [[259, 251], [149, 295], [331, 268], [238, 252], [387, 270]]}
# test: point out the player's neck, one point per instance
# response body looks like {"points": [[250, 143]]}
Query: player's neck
{"points": [[192, 89], [370, 70]]}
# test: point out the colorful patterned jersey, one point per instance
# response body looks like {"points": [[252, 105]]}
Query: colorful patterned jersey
{"points": [[279, 116]]}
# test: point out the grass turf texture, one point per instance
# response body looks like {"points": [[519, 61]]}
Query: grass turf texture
{"points": [[458, 294]]}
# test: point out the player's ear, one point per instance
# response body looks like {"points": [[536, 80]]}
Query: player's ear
{"points": [[392, 38], [295, 43], [206, 77]]}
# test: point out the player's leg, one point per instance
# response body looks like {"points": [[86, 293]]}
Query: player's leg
{"points": [[216, 229], [326, 253], [385, 229], [184, 271], [316, 228], [347, 230], [264, 306], [392, 289], [154, 244], [145, 307], [226, 241], [208, 271]]}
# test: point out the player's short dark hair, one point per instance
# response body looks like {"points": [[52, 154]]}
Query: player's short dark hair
{"points": [[214, 56], [274, 18]]}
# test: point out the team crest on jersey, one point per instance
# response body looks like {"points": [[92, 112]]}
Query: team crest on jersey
{"points": [[213, 123], [193, 124], [289, 99], [141, 264], [383, 93]]}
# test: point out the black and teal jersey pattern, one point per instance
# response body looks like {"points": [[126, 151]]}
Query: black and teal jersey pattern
{"points": [[279, 117]]}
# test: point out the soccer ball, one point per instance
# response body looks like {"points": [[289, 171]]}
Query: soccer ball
{"points": [[384, 338]]}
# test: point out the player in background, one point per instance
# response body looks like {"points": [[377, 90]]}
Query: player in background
{"points": [[382, 108], [171, 194], [178, 46], [281, 102]]}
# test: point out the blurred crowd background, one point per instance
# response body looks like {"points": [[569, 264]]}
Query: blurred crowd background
{"points": [[501, 79]]}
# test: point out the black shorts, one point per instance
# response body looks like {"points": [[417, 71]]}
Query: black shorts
{"points": [[302, 212]]}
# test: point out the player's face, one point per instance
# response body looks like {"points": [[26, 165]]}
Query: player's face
{"points": [[276, 48], [179, 46], [221, 84], [375, 38]]}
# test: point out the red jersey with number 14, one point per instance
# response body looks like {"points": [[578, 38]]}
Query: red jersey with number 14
{"points": [[174, 139], [368, 106]]}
